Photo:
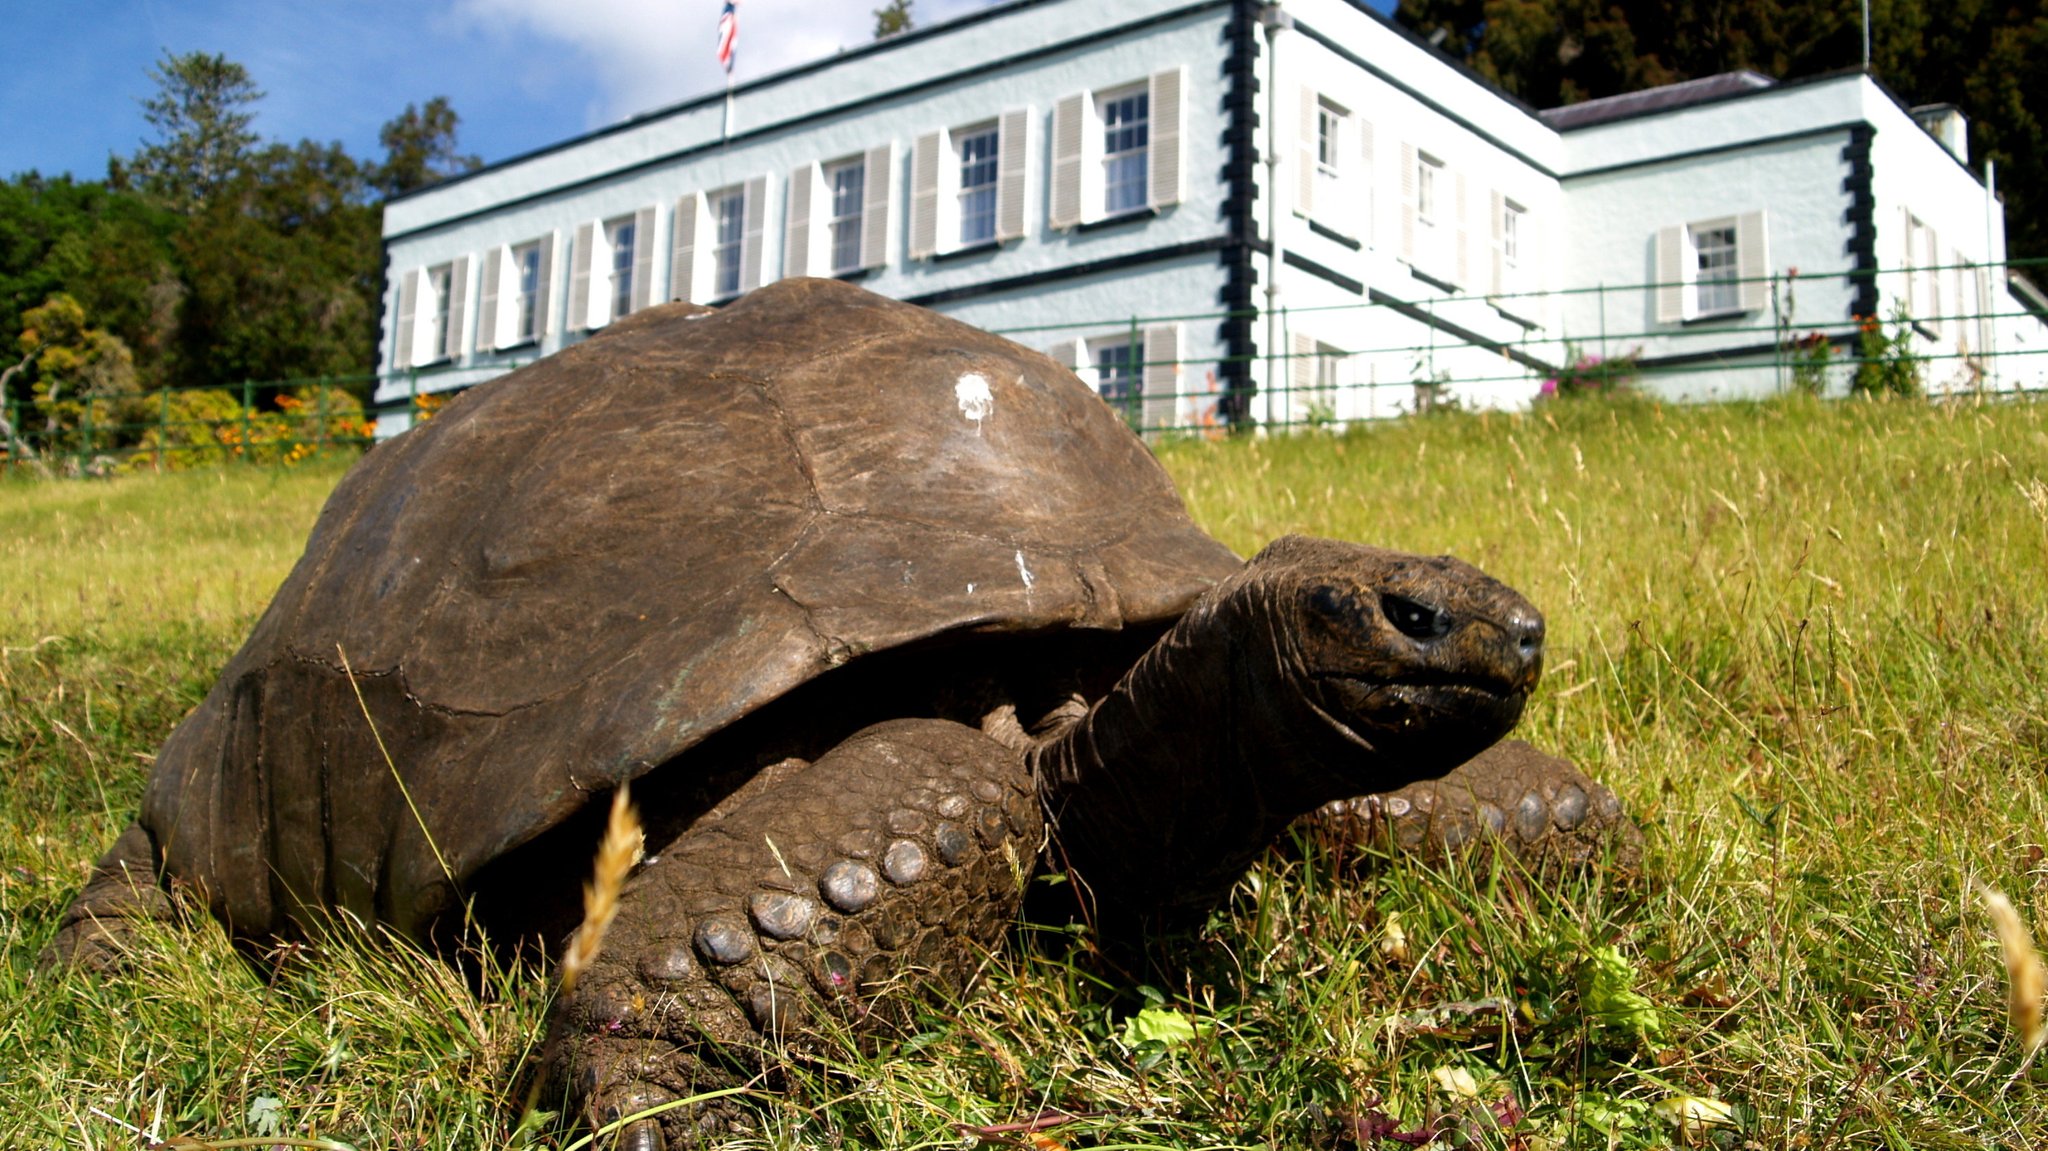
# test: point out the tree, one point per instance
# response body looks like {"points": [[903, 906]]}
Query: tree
{"points": [[80, 377], [892, 18], [419, 149], [201, 113], [1990, 58]]}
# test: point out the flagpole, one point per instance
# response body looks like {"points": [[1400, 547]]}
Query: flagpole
{"points": [[726, 133]]}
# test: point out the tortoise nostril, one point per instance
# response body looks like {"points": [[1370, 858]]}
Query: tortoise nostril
{"points": [[1528, 633], [1415, 619]]}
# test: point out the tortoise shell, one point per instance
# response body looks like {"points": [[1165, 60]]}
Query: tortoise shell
{"points": [[575, 574]]}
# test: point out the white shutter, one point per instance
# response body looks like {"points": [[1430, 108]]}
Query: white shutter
{"points": [[1958, 315], [1498, 206], [487, 301], [1408, 202], [1463, 274], [1067, 136], [544, 298], [755, 216], [875, 216], [1933, 264], [1301, 375], [1160, 384], [458, 307], [1305, 153], [924, 195], [1013, 133], [682, 259], [1753, 261], [1068, 353], [408, 300], [1167, 105], [1908, 260], [1367, 186], [1981, 305], [643, 257], [796, 236], [1671, 278], [579, 277]]}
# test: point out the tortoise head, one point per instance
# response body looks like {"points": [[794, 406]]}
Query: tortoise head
{"points": [[1387, 662]]}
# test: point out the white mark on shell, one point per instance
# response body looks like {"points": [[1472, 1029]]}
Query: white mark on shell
{"points": [[970, 589], [1023, 572], [977, 403]]}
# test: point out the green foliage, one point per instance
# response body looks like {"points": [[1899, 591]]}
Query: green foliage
{"points": [[420, 149], [1886, 364], [1590, 374], [1989, 58], [78, 377], [201, 112], [892, 17]]}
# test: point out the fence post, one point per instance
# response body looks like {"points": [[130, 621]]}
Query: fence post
{"points": [[320, 436], [1134, 396], [163, 424], [412, 401], [248, 401], [1604, 371], [85, 447]]}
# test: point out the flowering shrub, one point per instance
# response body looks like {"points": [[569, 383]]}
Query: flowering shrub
{"points": [[1586, 374], [207, 425], [1886, 365], [1811, 354]]}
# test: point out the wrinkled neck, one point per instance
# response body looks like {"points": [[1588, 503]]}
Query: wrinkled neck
{"points": [[1172, 783]]}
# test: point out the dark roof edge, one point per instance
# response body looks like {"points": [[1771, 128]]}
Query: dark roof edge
{"points": [[718, 97]]}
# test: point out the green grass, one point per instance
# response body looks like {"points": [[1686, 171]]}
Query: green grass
{"points": [[1805, 642]]}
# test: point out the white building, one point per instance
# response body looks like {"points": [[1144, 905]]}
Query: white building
{"points": [[1222, 209]]}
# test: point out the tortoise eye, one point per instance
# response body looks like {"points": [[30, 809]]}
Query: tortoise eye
{"points": [[1414, 619]]}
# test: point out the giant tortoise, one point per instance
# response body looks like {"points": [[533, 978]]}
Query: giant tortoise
{"points": [[876, 611]]}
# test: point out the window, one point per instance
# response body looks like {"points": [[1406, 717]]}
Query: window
{"points": [[1329, 152], [1126, 127], [847, 182], [1711, 268], [619, 237], [1715, 276], [728, 221], [1116, 370], [1427, 168], [1923, 276], [978, 167], [1511, 215], [440, 282], [526, 293]]}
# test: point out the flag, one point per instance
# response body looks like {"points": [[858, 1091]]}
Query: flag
{"points": [[728, 33]]}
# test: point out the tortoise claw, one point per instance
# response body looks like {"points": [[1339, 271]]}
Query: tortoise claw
{"points": [[640, 1134], [644, 1135]]}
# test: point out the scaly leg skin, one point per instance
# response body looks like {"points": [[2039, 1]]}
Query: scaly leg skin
{"points": [[1541, 809], [98, 929], [898, 857]]}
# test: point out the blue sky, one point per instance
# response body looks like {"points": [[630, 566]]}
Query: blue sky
{"points": [[522, 73]]}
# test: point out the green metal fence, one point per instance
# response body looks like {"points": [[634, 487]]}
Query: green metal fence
{"points": [[1319, 366]]}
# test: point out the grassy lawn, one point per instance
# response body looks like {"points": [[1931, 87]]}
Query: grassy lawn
{"points": [[1804, 642]]}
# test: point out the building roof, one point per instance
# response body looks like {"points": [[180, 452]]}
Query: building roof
{"points": [[1686, 92]]}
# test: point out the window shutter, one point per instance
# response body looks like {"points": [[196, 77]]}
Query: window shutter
{"points": [[1366, 187], [1908, 261], [544, 299], [796, 236], [682, 259], [924, 195], [1012, 151], [1067, 135], [1160, 384], [1753, 261], [1068, 353], [1958, 315], [1305, 154], [1301, 374], [408, 300], [875, 216], [1933, 263], [1671, 277], [1982, 307], [754, 208], [643, 256], [579, 278], [1408, 202], [1498, 205], [1164, 143], [1463, 276], [458, 306], [487, 301]]}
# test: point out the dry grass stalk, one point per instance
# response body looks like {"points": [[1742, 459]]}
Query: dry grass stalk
{"points": [[616, 856], [2026, 977]]}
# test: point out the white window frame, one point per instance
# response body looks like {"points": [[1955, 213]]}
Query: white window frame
{"points": [[1133, 157], [1680, 289], [1427, 208], [722, 249], [525, 321], [620, 245], [1332, 129], [1923, 276], [1079, 188], [1719, 293], [843, 229], [954, 223], [434, 307], [1514, 220]]}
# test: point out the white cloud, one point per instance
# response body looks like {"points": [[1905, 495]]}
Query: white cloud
{"points": [[643, 54]]}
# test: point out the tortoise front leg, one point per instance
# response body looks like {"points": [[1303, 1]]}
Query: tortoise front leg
{"points": [[97, 931], [1540, 808], [897, 857]]}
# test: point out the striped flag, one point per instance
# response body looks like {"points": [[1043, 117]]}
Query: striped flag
{"points": [[728, 34]]}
